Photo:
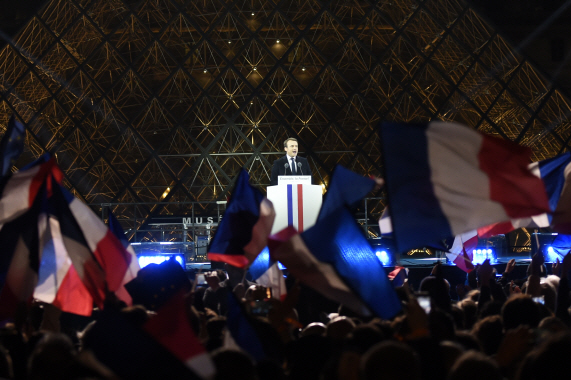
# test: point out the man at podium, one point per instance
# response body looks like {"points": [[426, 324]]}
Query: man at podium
{"points": [[290, 164]]}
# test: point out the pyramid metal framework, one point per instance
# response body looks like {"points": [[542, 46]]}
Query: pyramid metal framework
{"points": [[147, 104]]}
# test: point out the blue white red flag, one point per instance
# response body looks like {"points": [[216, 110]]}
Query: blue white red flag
{"points": [[96, 253], [335, 258], [267, 273], [19, 261], [242, 332], [553, 172], [461, 252], [58, 281], [133, 268], [243, 232], [19, 190], [346, 189], [132, 353], [451, 179], [78, 258], [171, 328]]}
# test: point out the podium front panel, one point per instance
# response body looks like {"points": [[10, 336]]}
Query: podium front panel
{"points": [[296, 205]]}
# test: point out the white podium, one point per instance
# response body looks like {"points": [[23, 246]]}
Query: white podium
{"points": [[296, 201]]}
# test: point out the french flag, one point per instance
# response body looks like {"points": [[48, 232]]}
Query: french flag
{"points": [[58, 281], [171, 328], [461, 252], [444, 179], [133, 268], [97, 255], [19, 261], [553, 172], [267, 273], [346, 189], [334, 258], [243, 232], [19, 190]]}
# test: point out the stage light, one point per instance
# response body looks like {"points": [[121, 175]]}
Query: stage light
{"points": [[145, 260], [229, 41], [255, 68], [252, 13], [482, 254], [205, 71], [277, 41], [551, 256], [303, 68], [383, 257]]}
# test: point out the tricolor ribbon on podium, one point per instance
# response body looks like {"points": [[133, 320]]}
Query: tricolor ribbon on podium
{"points": [[295, 206]]}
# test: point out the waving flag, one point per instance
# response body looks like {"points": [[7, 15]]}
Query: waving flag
{"points": [[12, 145], [461, 251], [243, 232], [267, 273], [96, 253], [133, 268], [58, 282], [243, 333], [553, 172], [346, 188], [171, 328], [19, 261], [451, 179], [19, 190], [335, 258], [132, 353], [385, 224]]}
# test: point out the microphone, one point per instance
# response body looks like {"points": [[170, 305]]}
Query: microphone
{"points": [[286, 166], [299, 167]]}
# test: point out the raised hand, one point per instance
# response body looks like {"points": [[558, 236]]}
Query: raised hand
{"points": [[556, 267], [485, 273], [514, 289], [510, 266]]}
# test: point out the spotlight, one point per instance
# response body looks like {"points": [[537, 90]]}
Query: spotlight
{"points": [[229, 41], [205, 71], [303, 68], [277, 41], [145, 260], [383, 257], [551, 255], [482, 254], [255, 68], [252, 13]]}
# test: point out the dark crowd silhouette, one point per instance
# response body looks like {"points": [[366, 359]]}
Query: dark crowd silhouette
{"points": [[499, 327]]}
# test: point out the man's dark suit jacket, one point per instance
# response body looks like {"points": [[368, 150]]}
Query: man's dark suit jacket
{"points": [[279, 168]]}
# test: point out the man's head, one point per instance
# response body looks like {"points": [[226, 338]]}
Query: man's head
{"points": [[290, 146]]}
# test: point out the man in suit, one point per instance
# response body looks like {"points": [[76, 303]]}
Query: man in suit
{"points": [[290, 164]]}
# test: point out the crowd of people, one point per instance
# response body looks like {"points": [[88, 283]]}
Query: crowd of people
{"points": [[500, 327]]}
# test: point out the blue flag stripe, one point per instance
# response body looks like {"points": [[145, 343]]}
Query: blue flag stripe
{"points": [[289, 205], [407, 179]]}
